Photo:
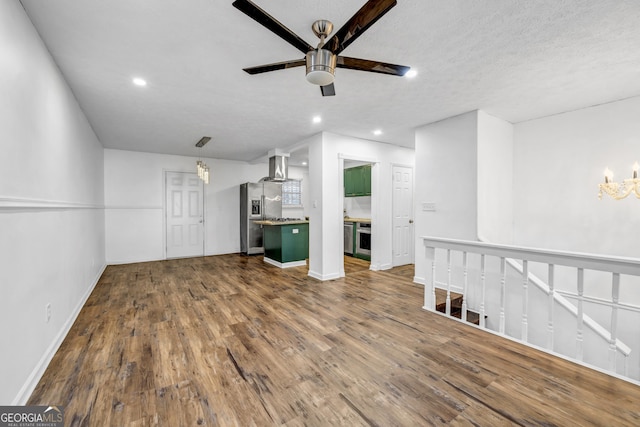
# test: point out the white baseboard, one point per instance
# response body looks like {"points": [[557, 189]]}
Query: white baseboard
{"points": [[32, 381], [454, 288], [380, 267], [324, 277], [285, 264], [439, 285], [133, 261]]}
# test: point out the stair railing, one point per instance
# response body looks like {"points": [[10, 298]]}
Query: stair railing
{"points": [[507, 256], [556, 296]]}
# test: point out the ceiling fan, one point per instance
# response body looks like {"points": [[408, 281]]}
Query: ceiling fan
{"points": [[321, 61]]}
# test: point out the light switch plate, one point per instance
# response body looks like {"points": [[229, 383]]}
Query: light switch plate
{"points": [[428, 207]]}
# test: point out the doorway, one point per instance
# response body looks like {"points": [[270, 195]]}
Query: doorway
{"points": [[403, 248], [358, 215], [184, 215]]}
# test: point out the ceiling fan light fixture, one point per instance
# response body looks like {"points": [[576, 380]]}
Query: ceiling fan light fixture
{"points": [[321, 66], [321, 61]]}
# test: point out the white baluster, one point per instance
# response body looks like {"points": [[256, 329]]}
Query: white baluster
{"points": [[464, 287], [482, 282], [525, 299], [503, 292], [448, 301], [615, 294], [579, 335], [433, 283], [551, 279]]}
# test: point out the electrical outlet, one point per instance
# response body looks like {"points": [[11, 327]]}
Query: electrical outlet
{"points": [[48, 312]]}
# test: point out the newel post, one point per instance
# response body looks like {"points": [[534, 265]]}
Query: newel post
{"points": [[430, 280]]}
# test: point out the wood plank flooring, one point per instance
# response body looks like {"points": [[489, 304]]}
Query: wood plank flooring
{"points": [[231, 341]]}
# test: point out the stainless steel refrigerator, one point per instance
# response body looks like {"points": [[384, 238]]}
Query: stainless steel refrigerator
{"points": [[262, 200]]}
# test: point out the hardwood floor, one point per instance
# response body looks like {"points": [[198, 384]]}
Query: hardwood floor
{"points": [[232, 341], [355, 265]]}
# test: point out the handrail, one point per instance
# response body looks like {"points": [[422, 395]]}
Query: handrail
{"points": [[588, 261]]}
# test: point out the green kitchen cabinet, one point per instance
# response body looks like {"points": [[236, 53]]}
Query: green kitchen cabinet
{"points": [[357, 181], [366, 180], [351, 182], [286, 243]]}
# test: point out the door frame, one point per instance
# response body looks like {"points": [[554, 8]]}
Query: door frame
{"points": [[164, 212], [375, 194]]}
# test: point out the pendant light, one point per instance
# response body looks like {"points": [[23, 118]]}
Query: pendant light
{"points": [[202, 168]]}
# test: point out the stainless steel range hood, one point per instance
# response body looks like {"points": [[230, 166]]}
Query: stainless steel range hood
{"points": [[278, 166]]}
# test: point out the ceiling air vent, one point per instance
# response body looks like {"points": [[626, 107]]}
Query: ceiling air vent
{"points": [[203, 141]]}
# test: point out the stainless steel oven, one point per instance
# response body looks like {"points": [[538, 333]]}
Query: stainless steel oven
{"points": [[363, 238]]}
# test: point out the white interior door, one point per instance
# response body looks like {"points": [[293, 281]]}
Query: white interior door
{"points": [[402, 215], [184, 215]]}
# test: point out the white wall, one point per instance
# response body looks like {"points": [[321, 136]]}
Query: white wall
{"points": [[446, 174], [536, 181], [495, 179], [327, 154], [51, 196], [558, 164], [134, 195], [318, 217], [358, 207]]}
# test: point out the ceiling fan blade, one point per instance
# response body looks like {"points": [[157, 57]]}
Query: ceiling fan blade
{"points": [[328, 90], [269, 22], [358, 24], [372, 66], [275, 66]]}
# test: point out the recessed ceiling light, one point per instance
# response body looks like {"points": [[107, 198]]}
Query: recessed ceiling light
{"points": [[139, 82], [411, 73], [377, 132], [304, 163], [317, 119]]}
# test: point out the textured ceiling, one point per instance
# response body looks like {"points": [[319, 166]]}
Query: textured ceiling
{"points": [[515, 59]]}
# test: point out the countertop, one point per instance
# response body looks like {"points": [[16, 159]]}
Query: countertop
{"points": [[364, 220], [292, 222]]}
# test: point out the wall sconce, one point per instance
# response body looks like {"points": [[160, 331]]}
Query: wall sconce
{"points": [[619, 191]]}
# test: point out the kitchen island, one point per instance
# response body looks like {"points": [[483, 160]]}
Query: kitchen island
{"points": [[286, 243]]}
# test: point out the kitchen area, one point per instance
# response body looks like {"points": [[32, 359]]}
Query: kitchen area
{"points": [[357, 210], [283, 240], [270, 224]]}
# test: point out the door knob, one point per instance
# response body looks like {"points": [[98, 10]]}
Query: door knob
{"points": [[410, 221]]}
